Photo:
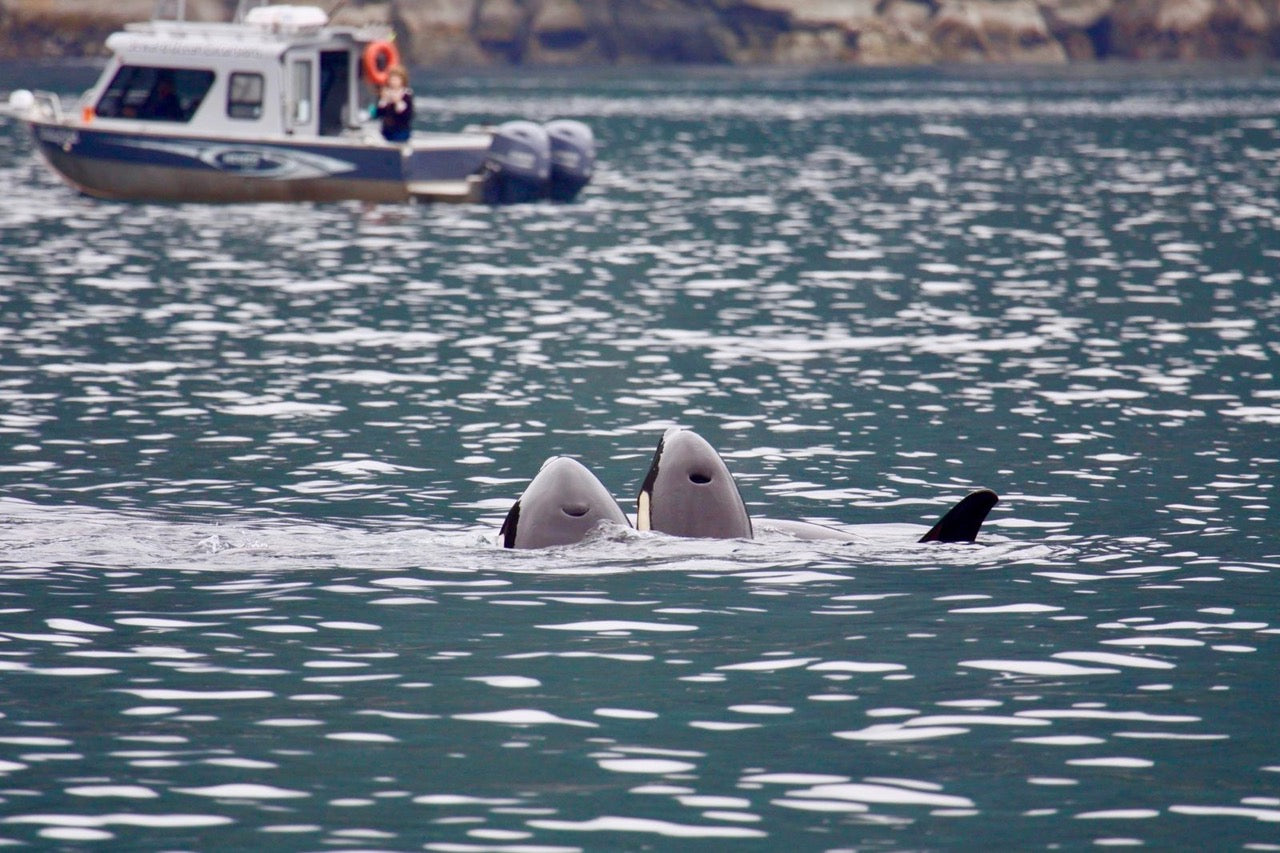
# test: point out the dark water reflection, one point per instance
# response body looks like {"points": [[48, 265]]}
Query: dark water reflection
{"points": [[253, 459]]}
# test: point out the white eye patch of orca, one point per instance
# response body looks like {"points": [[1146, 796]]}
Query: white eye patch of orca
{"points": [[690, 492], [560, 506]]}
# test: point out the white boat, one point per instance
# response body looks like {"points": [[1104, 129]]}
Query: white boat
{"points": [[275, 106]]}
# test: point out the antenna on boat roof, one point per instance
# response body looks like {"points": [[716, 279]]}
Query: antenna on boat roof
{"points": [[169, 10], [336, 8]]}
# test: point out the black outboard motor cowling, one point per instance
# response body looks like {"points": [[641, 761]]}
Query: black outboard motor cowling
{"points": [[573, 157], [518, 166]]}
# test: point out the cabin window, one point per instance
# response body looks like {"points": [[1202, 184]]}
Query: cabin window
{"points": [[154, 94], [244, 95]]}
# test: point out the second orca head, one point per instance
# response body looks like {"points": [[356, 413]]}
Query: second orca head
{"points": [[690, 492], [560, 506]]}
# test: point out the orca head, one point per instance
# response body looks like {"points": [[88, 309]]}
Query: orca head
{"points": [[690, 492], [560, 506]]}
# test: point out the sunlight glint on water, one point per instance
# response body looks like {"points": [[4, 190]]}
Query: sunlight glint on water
{"points": [[253, 462]]}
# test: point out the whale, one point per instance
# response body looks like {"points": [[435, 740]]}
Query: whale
{"points": [[688, 491], [560, 506]]}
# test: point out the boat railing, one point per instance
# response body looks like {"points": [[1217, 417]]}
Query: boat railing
{"points": [[169, 10], [48, 105], [176, 10]]}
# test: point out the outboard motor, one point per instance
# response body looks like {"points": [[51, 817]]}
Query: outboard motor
{"points": [[573, 157], [518, 164]]}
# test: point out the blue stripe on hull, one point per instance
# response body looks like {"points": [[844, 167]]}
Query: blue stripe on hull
{"points": [[133, 166]]}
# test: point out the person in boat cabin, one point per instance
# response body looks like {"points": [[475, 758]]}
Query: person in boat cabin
{"points": [[395, 105], [162, 103]]}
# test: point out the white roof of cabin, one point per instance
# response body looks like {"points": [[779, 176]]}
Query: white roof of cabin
{"points": [[287, 17], [267, 32]]}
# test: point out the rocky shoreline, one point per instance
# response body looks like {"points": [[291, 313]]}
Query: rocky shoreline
{"points": [[480, 33]]}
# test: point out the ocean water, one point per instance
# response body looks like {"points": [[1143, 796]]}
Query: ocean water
{"points": [[253, 460]]}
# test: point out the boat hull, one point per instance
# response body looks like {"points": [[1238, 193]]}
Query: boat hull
{"points": [[130, 166]]}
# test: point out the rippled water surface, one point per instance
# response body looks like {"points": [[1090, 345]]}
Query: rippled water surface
{"points": [[253, 461]]}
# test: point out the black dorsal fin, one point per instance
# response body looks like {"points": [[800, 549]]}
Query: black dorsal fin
{"points": [[963, 521], [509, 526]]}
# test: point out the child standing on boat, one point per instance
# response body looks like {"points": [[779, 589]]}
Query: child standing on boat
{"points": [[395, 105]]}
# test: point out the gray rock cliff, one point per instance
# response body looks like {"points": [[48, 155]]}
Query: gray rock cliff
{"points": [[461, 33]]}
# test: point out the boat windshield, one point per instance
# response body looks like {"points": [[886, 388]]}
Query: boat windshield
{"points": [[154, 94]]}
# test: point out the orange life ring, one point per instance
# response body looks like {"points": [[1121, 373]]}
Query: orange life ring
{"points": [[379, 56]]}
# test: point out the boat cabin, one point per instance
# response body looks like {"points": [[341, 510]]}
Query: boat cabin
{"points": [[274, 70]]}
